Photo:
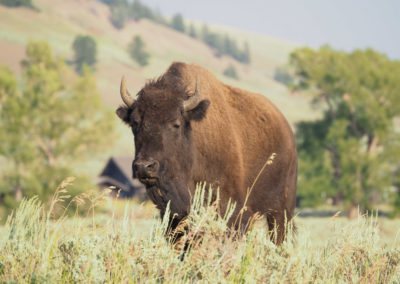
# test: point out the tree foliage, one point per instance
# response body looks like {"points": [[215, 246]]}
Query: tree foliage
{"points": [[141, 11], [230, 71], [17, 3], [48, 124], [85, 51], [192, 31], [122, 10], [138, 52], [348, 154], [225, 45], [119, 12], [177, 23], [118, 16], [283, 76]]}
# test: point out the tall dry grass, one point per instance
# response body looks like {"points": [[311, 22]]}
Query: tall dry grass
{"points": [[36, 246]]}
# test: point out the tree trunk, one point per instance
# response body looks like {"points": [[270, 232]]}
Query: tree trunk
{"points": [[337, 200], [372, 144], [353, 212], [18, 193], [337, 174]]}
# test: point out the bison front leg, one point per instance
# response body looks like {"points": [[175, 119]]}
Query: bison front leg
{"points": [[241, 220], [176, 229], [182, 237], [278, 226]]}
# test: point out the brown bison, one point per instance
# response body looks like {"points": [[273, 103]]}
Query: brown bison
{"points": [[189, 127]]}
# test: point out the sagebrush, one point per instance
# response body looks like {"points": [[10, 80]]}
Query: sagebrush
{"points": [[37, 247]]}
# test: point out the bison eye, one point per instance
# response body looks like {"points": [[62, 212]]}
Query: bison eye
{"points": [[175, 123]]}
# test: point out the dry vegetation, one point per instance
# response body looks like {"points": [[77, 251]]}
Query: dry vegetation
{"points": [[112, 247]]}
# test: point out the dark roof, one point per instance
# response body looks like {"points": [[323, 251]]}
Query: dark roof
{"points": [[124, 163]]}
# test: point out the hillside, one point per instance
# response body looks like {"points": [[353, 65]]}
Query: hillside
{"points": [[59, 21]]}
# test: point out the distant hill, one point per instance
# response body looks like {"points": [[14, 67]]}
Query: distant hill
{"points": [[59, 21]]}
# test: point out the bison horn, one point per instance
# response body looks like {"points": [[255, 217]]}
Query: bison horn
{"points": [[125, 96], [193, 100]]}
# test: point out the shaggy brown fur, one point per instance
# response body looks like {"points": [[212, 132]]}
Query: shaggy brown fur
{"points": [[224, 141]]}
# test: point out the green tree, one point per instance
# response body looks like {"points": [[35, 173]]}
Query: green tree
{"points": [[138, 52], [224, 45], [141, 11], [283, 76], [208, 37], [48, 125], [192, 31], [118, 16], [348, 154], [177, 23], [17, 3], [230, 71], [228, 45], [114, 2], [119, 12], [213, 40], [245, 54], [85, 51]]}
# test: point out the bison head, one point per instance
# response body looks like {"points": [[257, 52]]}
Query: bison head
{"points": [[160, 119]]}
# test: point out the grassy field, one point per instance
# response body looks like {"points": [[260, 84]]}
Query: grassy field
{"points": [[124, 242]]}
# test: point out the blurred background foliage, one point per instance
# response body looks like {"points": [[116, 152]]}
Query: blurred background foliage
{"points": [[17, 3], [351, 153], [49, 122], [137, 51], [85, 52], [223, 44]]}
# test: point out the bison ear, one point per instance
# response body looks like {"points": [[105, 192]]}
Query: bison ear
{"points": [[199, 112], [122, 113]]}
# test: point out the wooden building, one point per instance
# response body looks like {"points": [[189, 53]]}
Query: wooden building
{"points": [[118, 173]]}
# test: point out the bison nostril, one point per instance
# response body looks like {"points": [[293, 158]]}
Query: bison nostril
{"points": [[146, 168], [152, 166]]}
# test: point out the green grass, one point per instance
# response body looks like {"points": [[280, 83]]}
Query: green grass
{"points": [[127, 244]]}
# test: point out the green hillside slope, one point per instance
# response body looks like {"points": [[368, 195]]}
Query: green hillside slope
{"points": [[59, 21]]}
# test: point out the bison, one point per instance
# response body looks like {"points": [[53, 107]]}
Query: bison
{"points": [[189, 127]]}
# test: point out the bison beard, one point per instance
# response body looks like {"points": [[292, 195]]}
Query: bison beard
{"points": [[189, 127]]}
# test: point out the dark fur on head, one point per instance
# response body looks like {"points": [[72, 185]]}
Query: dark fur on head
{"points": [[162, 131], [171, 80]]}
